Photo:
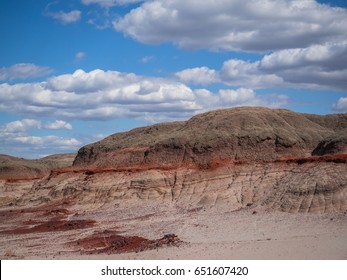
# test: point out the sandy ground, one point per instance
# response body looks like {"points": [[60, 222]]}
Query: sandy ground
{"points": [[251, 233], [243, 235]]}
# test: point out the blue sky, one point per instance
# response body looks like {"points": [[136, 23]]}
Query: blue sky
{"points": [[73, 72]]}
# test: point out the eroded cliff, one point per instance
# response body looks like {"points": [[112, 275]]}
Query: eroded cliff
{"points": [[226, 159]]}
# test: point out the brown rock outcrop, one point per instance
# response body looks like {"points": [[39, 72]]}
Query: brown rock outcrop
{"points": [[337, 143]]}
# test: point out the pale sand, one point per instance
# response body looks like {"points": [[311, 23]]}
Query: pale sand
{"points": [[207, 234]]}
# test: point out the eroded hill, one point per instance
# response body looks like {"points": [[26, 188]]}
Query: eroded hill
{"points": [[243, 134]]}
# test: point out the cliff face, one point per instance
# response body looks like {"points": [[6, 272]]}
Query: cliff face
{"points": [[237, 134], [316, 186]]}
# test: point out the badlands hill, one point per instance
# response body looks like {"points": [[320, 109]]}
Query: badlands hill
{"points": [[244, 133], [226, 159], [236, 183]]}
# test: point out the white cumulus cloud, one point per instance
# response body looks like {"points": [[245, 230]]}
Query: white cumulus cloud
{"points": [[103, 95], [16, 138], [44, 142], [321, 65], [58, 124], [318, 67], [21, 126], [253, 25], [341, 105], [199, 75]]}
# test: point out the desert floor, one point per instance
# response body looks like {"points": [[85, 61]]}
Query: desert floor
{"points": [[66, 231]]}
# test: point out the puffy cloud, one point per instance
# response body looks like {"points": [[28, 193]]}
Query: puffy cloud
{"points": [[33, 146], [21, 126], [254, 25], [101, 95], [341, 105], [237, 96], [199, 75], [23, 71], [16, 139], [50, 140], [242, 73], [318, 66], [58, 124], [235, 72], [110, 3], [65, 17], [248, 97], [321, 65]]}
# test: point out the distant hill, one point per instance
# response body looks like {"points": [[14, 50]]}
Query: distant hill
{"points": [[13, 168], [58, 160]]}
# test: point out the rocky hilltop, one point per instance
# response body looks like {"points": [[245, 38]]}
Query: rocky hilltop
{"points": [[236, 134]]}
